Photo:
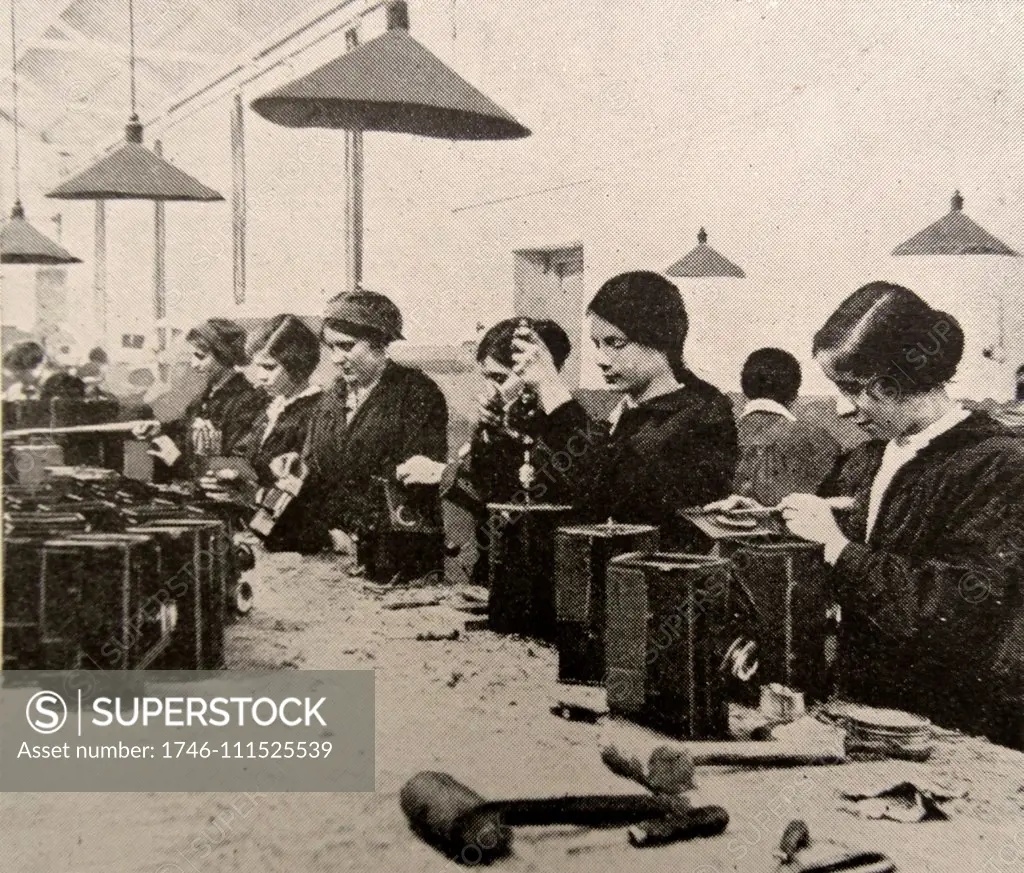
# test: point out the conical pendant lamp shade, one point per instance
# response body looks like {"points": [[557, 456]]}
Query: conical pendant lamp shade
{"points": [[703, 261], [21, 243], [133, 172], [954, 234], [391, 83]]}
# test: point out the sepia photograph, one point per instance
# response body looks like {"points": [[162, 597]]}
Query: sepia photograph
{"points": [[546, 436]]}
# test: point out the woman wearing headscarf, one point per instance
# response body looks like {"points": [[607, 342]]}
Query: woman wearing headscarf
{"points": [[284, 356], [927, 566], [377, 415], [224, 412], [671, 442]]}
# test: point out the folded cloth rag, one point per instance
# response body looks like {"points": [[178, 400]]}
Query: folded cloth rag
{"points": [[905, 802]]}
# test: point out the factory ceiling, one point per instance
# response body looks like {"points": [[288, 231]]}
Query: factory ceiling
{"points": [[73, 59]]}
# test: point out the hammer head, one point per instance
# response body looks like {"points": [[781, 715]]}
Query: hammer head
{"points": [[670, 771], [451, 818]]}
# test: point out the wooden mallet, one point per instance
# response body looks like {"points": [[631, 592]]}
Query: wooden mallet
{"points": [[471, 830]]}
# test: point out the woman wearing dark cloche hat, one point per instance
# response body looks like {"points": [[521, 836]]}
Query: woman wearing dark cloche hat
{"points": [[671, 443]]}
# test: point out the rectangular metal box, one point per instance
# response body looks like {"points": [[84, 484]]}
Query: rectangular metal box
{"points": [[91, 589], [582, 554], [665, 634], [197, 561], [785, 579], [522, 567]]}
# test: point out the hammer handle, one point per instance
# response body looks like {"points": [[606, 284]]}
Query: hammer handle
{"points": [[763, 753], [587, 810]]}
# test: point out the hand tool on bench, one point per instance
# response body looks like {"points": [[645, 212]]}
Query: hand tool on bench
{"points": [[702, 821], [795, 837], [668, 770], [471, 830], [848, 862], [825, 858], [764, 753]]}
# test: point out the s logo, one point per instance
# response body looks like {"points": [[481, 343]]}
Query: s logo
{"points": [[46, 712]]}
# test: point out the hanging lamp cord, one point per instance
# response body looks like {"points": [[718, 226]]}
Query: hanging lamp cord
{"points": [[131, 50], [14, 95]]}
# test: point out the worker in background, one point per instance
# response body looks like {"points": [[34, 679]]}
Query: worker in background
{"points": [[928, 565], [94, 373], [34, 376], [25, 368], [671, 442], [376, 416], [780, 454], [224, 412], [488, 467]]}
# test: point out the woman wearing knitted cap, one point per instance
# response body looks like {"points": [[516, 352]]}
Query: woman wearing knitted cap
{"points": [[376, 416], [671, 442], [927, 564], [224, 412]]}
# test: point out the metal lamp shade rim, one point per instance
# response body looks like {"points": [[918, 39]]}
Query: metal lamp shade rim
{"points": [[393, 84], [416, 119], [133, 172], [120, 195], [21, 243]]}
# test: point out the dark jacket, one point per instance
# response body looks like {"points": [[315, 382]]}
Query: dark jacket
{"points": [[778, 457], [932, 603], [489, 473], [233, 407], [670, 452], [406, 414], [297, 529]]}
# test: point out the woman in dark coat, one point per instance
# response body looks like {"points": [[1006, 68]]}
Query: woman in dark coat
{"points": [[671, 443], [284, 356], [221, 416], [927, 566], [376, 416]]}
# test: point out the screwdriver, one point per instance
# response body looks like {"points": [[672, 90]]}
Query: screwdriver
{"points": [[795, 837]]}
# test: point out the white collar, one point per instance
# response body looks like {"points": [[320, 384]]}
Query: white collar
{"points": [[356, 394], [917, 441], [764, 404], [627, 402], [279, 404], [283, 403], [221, 382]]}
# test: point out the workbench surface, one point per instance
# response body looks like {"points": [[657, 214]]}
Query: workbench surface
{"points": [[477, 708]]}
